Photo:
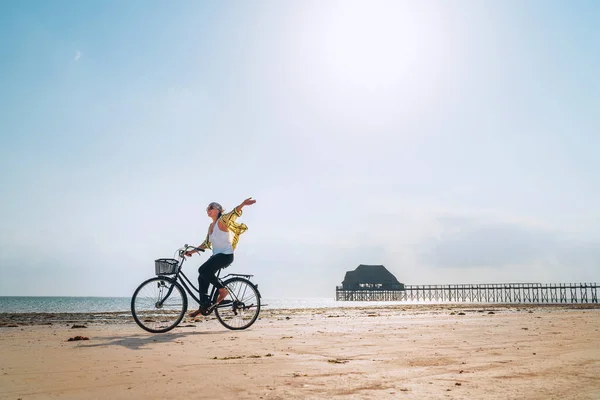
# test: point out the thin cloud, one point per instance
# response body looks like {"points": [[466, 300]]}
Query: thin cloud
{"points": [[473, 242], [78, 55], [470, 242]]}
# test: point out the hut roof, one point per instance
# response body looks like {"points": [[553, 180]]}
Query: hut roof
{"points": [[370, 274]]}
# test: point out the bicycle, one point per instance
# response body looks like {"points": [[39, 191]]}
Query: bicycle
{"points": [[160, 303]]}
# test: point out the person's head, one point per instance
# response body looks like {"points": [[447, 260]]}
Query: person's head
{"points": [[214, 210]]}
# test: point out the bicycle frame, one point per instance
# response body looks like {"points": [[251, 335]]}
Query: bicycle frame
{"points": [[184, 281]]}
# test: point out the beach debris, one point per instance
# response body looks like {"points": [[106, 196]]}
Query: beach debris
{"points": [[461, 313], [457, 384], [287, 318], [78, 338], [297, 375], [461, 371], [11, 326], [239, 357], [337, 361], [78, 326], [491, 312]]}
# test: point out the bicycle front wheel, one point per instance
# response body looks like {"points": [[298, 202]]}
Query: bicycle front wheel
{"points": [[158, 304], [241, 307]]}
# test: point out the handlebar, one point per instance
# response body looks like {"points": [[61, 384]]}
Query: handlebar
{"points": [[187, 247]]}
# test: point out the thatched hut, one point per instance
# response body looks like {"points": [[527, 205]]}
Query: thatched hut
{"points": [[371, 277]]}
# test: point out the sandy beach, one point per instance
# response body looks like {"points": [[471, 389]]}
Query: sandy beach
{"points": [[396, 352]]}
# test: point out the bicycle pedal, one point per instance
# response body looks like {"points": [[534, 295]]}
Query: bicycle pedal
{"points": [[206, 311]]}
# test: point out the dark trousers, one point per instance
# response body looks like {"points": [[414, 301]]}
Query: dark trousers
{"points": [[207, 271]]}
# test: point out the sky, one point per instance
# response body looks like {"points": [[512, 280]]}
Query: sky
{"points": [[453, 142]]}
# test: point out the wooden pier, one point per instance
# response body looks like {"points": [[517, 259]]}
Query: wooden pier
{"points": [[478, 293]]}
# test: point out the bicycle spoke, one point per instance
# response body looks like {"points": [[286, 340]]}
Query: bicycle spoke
{"points": [[240, 308], [158, 305]]}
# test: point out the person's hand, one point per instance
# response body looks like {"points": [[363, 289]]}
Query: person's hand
{"points": [[188, 253], [248, 202]]}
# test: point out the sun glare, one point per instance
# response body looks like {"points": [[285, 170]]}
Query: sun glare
{"points": [[373, 60], [374, 45]]}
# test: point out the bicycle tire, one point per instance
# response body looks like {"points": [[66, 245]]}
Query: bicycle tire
{"points": [[147, 312], [240, 309]]}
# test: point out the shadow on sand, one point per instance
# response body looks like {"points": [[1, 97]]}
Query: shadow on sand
{"points": [[142, 340]]}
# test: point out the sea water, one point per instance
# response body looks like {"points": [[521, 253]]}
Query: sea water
{"points": [[16, 304]]}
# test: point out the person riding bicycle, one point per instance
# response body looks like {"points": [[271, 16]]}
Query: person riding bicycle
{"points": [[222, 237]]}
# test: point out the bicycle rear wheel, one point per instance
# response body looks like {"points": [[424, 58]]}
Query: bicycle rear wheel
{"points": [[241, 307], [158, 304]]}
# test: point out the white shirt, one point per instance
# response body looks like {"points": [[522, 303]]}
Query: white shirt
{"points": [[221, 241]]}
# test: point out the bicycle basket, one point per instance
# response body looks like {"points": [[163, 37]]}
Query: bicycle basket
{"points": [[165, 266]]}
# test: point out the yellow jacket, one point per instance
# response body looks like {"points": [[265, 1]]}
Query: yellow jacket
{"points": [[229, 221]]}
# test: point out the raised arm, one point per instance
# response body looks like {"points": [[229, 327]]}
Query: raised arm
{"points": [[248, 202]]}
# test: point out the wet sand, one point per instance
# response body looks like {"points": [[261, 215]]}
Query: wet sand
{"points": [[396, 352]]}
